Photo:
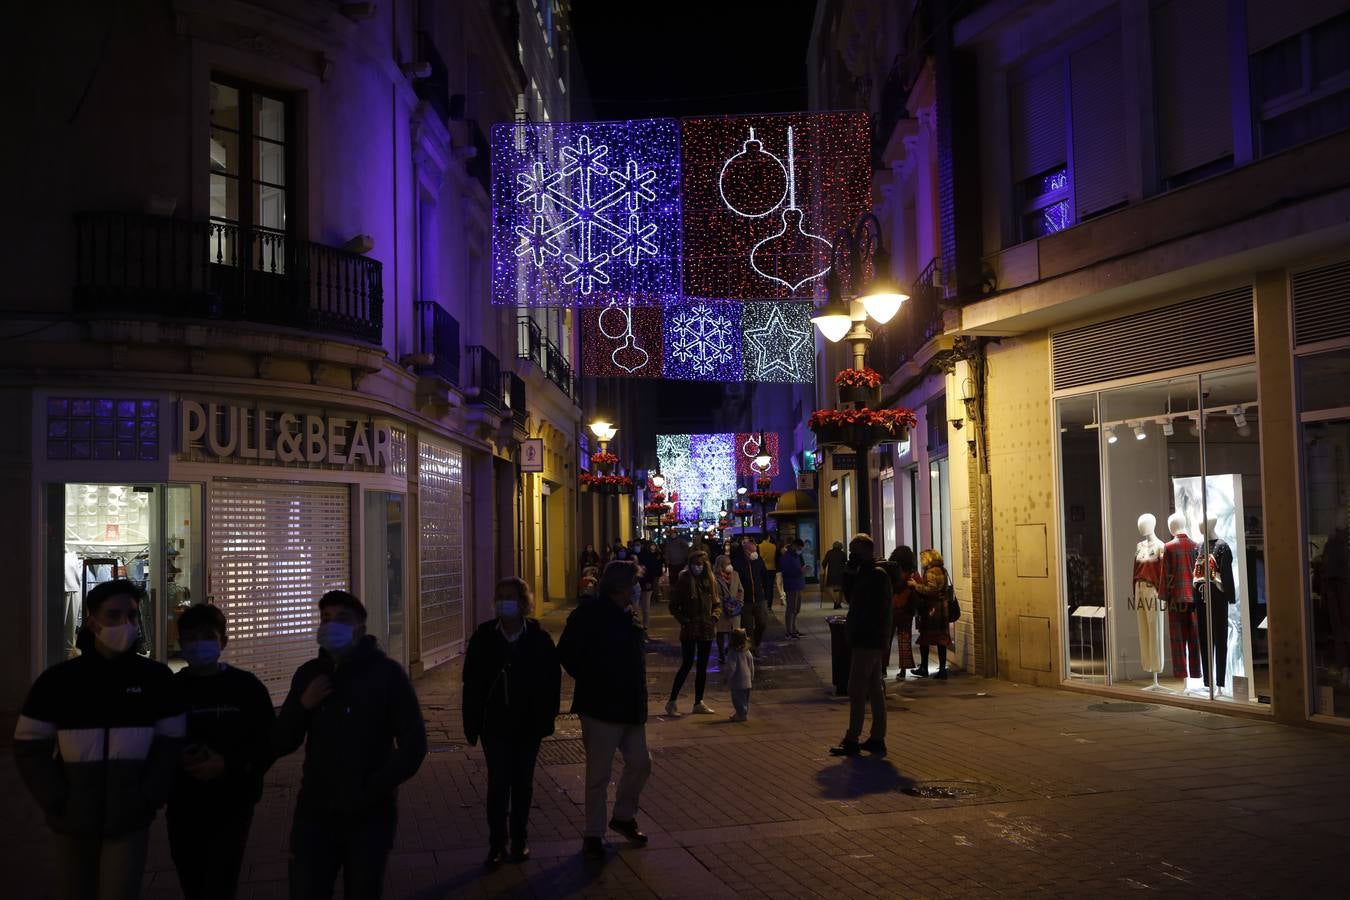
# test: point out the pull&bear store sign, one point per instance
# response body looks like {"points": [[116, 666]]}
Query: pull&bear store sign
{"points": [[238, 432]]}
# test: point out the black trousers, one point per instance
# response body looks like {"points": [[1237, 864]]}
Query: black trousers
{"points": [[207, 846], [1211, 615], [687, 649], [510, 771], [357, 845]]}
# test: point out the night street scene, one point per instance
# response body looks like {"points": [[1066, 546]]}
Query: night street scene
{"points": [[739, 449]]}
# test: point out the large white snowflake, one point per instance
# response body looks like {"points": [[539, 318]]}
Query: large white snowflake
{"points": [[601, 204], [702, 338]]}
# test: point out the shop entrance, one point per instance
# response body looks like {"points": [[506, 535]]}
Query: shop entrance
{"points": [[147, 533]]}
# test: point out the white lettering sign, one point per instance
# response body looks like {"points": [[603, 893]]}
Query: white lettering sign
{"points": [[227, 430]]}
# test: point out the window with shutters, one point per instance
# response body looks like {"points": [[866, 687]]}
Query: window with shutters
{"points": [[1067, 123], [1300, 83], [1192, 90], [440, 474]]}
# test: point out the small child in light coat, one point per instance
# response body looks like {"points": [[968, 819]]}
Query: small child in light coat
{"points": [[739, 671]]}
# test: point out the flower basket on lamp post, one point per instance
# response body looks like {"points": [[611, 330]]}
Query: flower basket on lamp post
{"points": [[859, 386]]}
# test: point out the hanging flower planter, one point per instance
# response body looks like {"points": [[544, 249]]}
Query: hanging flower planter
{"points": [[862, 395], [859, 386], [606, 484], [860, 427]]}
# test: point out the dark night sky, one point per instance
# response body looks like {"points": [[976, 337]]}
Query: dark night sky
{"points": [[692, 58]]}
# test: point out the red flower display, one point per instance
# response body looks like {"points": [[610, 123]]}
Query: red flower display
{"points": [[859, 378], [763, 482], [764, 497], [656, 509], [619, 484], [893, 420], [604, 459]]}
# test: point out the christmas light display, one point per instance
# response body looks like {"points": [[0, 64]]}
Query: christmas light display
{"points": [[703, 341], [766, 194], [703, 468], [621, 340], [779, 344], [747, 448], [585, 213]]}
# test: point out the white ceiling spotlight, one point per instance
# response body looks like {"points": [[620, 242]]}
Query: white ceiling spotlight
{"points": [[1139, 432], [1240, 420], [1111, 434], [1169, 428]]}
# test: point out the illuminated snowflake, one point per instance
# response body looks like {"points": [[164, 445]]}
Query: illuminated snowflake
{"points": [[702, 339], [603, 206]]}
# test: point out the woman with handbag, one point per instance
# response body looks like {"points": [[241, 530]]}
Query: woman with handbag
{"points": [[902, 567], [733, 601], [931, 592], [696, 604]]}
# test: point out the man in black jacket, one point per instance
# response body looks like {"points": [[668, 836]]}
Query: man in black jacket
{"points": [[867, 587], [755, 580], [97, 745], [365, 738], [602, 648], [832, 568]]}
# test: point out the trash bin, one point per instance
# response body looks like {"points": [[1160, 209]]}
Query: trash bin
{"points": [[839, 654]]}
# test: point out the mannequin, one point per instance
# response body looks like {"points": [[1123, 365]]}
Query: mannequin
{"points": [[1149, 597], [1214, 592], [1179, 562]]}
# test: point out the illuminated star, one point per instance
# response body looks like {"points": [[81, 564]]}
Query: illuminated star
{"points": [[776, 347]]}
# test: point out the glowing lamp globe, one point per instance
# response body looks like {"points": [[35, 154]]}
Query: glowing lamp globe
{"points": [[833, 321], [883, 301]]}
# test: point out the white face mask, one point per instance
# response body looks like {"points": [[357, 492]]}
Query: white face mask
{"points": [[727, 569], [507, 609], [119, 638], [753, 556], [697, 570]]}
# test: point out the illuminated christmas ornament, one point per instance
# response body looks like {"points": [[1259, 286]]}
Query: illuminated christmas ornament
{"points": [[765, 194], [703, 341], [747, 448], [585, 213], [621, 340], [704, 467], [779, 343]]}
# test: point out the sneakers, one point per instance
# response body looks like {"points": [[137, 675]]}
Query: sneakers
{"points": [[703, 709], [900, 676], [941, 675], [874, 745], [737, 718], [629, 829], [593, 848], [920, 673], [846, 748], [519, 853], [672, 709]]}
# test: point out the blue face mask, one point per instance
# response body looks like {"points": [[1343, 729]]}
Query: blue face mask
{"points": [[200, 654], [335, 636]]}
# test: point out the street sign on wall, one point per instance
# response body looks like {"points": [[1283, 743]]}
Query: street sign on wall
{"points": [[532, 455]]}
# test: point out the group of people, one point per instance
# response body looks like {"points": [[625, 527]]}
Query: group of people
{"points": [[107, 738]]}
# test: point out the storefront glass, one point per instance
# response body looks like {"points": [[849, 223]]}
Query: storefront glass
{"points": [[1326, 485], [147, 533], [939, 505], [1164, 581]]}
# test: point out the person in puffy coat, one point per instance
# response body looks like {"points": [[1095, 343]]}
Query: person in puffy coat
{"points": [[512, 690], [930, 601], [100, 803], [697, 605], [733, 602]]}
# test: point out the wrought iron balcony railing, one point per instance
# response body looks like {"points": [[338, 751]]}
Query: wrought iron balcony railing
{"points": [[513, 392], [440, 338], [483, 379], [918, 322], [531, 344], [179, 268]]}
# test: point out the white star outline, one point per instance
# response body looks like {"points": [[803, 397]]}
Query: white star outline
{"points": [[774, 346], [701, 337], [589, 214]]}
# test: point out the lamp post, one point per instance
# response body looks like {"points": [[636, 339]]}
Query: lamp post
{"points": [[845, 316], [604, 433]]}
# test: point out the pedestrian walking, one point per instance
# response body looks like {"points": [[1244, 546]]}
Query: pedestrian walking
{"points": [[512, 686], [739, 673], [695, 602], [768, 552], [356, 712], [832, 568], [589, 557], [931, 590], [755, 615], [793, 575], [603, 650], [676, 551], [868, 589], [649, 571], [99, 805], [732, 596], [901, 567], [230, 721]]}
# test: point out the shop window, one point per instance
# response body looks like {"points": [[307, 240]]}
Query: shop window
{"points": [[1163, 578], [1301, 86], [939, 499], [1326, 481], [102, 428]]}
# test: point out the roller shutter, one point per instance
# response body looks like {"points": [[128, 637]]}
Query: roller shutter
{"points": [[440, 498], [1321, 304], [1190, 66]]}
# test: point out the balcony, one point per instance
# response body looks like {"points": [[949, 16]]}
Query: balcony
{"points": [[919, 320], [183, 269], [531, 344], [440, 339], [484, 378], [513, 392]]}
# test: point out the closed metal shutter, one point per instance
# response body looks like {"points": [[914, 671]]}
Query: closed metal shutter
{"points": [[1271, 21], [440, 500], [1321, 304], [1097, 92], [275, 549], [1191, 83], [1207, 329], [1036, 113]]}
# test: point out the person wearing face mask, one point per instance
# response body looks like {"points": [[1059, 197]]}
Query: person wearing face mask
{"points": [[229, 749], [355, 710], [602, 648], [512, 684], [696, 605], [733, 602], [100, 804], [755, 579]]}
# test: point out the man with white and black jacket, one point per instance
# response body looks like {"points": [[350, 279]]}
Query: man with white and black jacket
{"points": [[97, 745]]}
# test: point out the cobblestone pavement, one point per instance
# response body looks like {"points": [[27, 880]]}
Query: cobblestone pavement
{"points": [[990, 789]]}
